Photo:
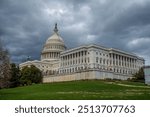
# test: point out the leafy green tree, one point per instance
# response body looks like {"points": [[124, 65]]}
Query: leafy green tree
{"points": [[139, 75], [15, 75], [36, 74], [30, 75]]}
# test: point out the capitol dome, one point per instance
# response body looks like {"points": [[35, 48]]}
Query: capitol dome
{"points": [[53, 46]]}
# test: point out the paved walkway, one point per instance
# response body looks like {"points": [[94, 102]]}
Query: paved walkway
{"points": [[132, 85]]}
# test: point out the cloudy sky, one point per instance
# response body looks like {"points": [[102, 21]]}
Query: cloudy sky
{"points": [[25, 25]]}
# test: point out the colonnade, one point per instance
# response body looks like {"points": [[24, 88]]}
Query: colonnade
{"points": [[122, 60], [115, 62], [123, 64], [76, 58], [50, 55], [73, 62]]}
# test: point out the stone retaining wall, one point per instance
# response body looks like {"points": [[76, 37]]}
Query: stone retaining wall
{"points": [[84, 75]]}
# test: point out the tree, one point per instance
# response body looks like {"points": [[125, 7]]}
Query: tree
{"points": [[5, 73], [30, 75], [15, 75], [36, 74], [139, 75]]}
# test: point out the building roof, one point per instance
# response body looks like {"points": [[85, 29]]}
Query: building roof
{"points": [[110, 50]]}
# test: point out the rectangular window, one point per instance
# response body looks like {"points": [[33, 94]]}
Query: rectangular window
{"points": [[100, 61], [96, 59], [88, 60]]}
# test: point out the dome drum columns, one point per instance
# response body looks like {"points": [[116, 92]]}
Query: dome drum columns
{"points": [[51, 55]]}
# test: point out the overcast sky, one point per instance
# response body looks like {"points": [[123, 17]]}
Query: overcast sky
{"points": [[25, 25]]}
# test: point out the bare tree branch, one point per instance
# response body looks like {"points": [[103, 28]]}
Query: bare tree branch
{"points": [[5, 73]]}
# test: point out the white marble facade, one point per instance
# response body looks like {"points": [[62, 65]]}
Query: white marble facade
{"points": [[95, 61]]}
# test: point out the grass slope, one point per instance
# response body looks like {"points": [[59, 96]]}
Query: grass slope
{"points": [[94, 89]]}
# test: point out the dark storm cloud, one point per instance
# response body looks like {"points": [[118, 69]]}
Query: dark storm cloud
{"points": [[21, 28], [26, 25]]}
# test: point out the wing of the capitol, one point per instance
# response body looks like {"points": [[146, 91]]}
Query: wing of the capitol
{"points": [[84, 62]]}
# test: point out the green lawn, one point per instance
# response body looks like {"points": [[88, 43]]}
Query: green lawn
{"points": [[93, 89]]}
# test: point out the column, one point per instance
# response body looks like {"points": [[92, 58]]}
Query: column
{"points": [[111, 59], [123, 61], [77, 57], [134, 64], [80, 57], [83, 57], [115, 59]]}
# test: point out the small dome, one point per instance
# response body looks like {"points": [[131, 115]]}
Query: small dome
{"points": [[53, 46]]}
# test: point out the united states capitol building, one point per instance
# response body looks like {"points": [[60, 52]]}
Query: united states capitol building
{"points": [[84, 62]]}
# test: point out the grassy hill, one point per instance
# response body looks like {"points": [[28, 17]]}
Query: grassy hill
{"points": [[94, 89]]}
